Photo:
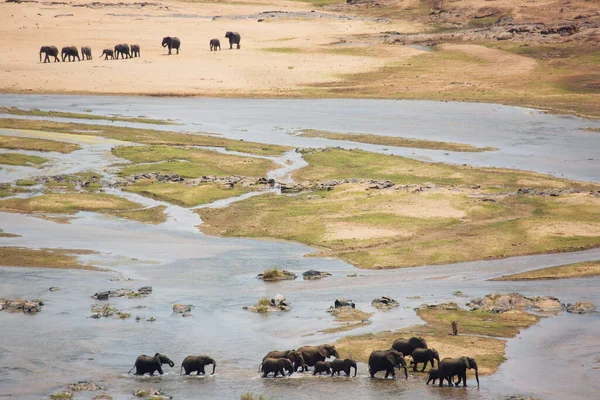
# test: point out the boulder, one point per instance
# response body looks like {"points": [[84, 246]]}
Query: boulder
{"points": [[101, 296], [145, 290], [54, 289], [312, 274], [154, 393], [385, 303], [343, 303], [504, 36], [15, 305], [31, 307], [280, 302], [546, 304], [182, 308], [500, 303], [581, 308], [277, 303]]}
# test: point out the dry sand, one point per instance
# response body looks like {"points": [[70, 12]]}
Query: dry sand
{"points": [[196, 71]]}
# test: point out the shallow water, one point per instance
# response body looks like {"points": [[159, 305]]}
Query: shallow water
{"points": [[217, 276]]}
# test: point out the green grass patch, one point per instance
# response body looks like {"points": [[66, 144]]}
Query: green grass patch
{"points": [[59, 114], [69, 203], [26, 182], [23, 143], [187, 196], [282, 50], [196, 162], [8, 235], [145, 136], [21, 159], [575, 270], [392, 141], [42, 258], [153, 215]]}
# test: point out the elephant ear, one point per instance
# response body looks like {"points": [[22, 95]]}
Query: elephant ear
{"points": [[323, 351], [467, 363], [391, 358]]}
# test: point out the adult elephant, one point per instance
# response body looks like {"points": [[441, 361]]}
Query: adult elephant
{"points": [[294, 356], [450, 367], [171, 43], [234, 38], [70, 52], [197, 363], [345, 365], [276, 366], [424, 356], [135, 50], [86, 53], [49, 51], [148, 365], [123, 50], [386, 360], [314, 354], [407, 346]]}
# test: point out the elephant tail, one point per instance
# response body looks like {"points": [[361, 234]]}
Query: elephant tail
{"points": [[260, 367], [181, 370], [131, 369]]}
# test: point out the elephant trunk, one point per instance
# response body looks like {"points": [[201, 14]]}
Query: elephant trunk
{"points": [[405, 372], [355, 369], [477, 376], [214, 367], [40, 56]]}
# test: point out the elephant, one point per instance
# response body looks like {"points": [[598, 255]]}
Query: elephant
{"points": [[313, 354], [277, 366], [386, 360], [294, 356], [214, 43], [86, 53], [49, 51], [234, 38], [197, 363], [345, 365], [172, 43], [107, 53], [147, 364], [407, 346], [122, 49], [322, 366], [70, 51], [450, 367], [424, 356], [434, 374], [135, 50]]}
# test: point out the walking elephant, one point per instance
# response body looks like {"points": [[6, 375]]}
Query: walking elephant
{"points": [[135, 50], [434, 374], [345, 365], [214, 43], [148, 365], [407, 346], [294, 356], [171, 43], [234, 38], [70, 52], [107, 53], [314, 354], [86, 53], [322, 366], [386, 360], [123, 50], [49, 51], [197, 363], [277, 366], [424, 356], [450, 367]]}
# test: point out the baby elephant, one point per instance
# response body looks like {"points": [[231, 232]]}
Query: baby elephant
{"points": [[86, 53], [197, 363], [277, 366], [107, 53], [434, 374], [214, 43], [135, 50], [322, 366], [339, 365], [424, 356]]}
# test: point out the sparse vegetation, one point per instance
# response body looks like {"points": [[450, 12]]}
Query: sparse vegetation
{"points": [[273, 274], [42, 258], [392, 141], [576, 270], [8, 235], [21, 159], [59, 114], [251, 396], [187, 196], [24, 143]]}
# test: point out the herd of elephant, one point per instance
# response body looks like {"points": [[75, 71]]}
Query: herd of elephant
{"points": [[71, 53], [290, 361]]}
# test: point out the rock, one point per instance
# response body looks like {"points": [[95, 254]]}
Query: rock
{"points": [[277, 275], [155, 393], [145, 290], [62, 395], [106, 311], [384, 303], [182, 308], [151, 319], [343, 303], [84, 385], [101, 296], [31, 307], [312, 274], [280, 302], [141, 292], [500, 303], [581, 308], [277, 303], [505, 36], [351, 275], [54, 289], [443, 306]]}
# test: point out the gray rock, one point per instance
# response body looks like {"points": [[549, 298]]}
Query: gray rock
{"points": [[312, 274], [385, 303], [581, 308], [84, 385], [343, 303], [182, 308]]}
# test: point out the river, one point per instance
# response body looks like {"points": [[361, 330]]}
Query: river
{"points": [[40, 354]]}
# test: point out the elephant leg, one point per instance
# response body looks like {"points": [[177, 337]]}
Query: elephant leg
{"points": [[464, 378], [265, 374]]}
